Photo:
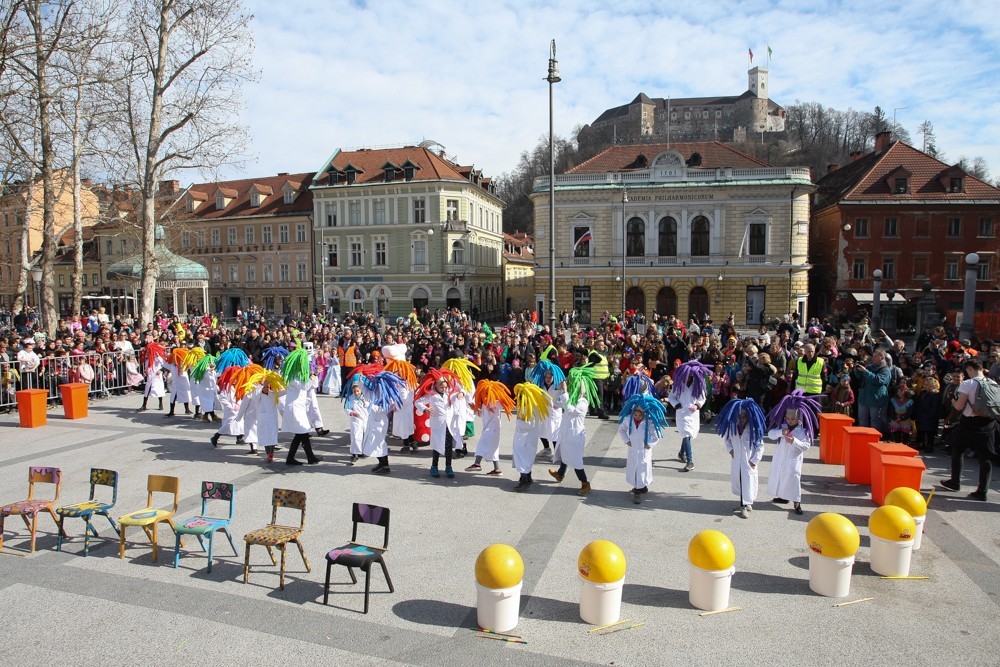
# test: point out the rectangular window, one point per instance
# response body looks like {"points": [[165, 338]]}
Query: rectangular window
{"points": [[419, 211], [268, 273], [216, 238], [951, 269], [900, 186], [200, 237], [283, 273], [185, 239], [354, 213], [889, 269], [216, 273], [251, 273], [95, 280], [300, 233], [289, 196], [986, 227], [860, 269], [265, 234], [331, 219], [452, 206], [920, 267], [582, 241], [581, 304], [983, 269], [300, 271], [757, 240], [122, 246], [62, 280], [861, 228], [356, 253], [234, 273], [379, 249], [420, 251], [955, 184], [83, 279], [232, 236], [954, 227], [332, 252], [282, 233], [378, 211], [891, 228], [109, 247], [250, 235]]}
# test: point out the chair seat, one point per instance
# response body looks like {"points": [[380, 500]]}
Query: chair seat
{"points": [[272, 535], [201, 525], [26, 507], [145, 517], [86, 508], [354, 555]]}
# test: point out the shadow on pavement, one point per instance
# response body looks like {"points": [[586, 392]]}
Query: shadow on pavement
{"points": [[548, 609], [655, 596], [432, 612], [756, 582]]}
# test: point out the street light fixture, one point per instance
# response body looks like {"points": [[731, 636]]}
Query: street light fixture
{"points": [[552, 78], [624, 237], [876, 299]]}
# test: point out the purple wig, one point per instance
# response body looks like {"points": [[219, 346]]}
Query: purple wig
{"points": [[806, 406], [694, 373]]}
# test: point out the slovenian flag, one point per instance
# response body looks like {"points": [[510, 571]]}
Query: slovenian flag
{"points": [[750, 51], [586, 238]]}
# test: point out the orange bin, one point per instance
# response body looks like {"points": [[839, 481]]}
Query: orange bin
{"points": [[31, 407], [878, 452], [74, 398], [831, 437], [857, 453], [899, 471]]}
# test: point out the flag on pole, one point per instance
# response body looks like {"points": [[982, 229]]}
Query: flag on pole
{"points": [[750, 51], [587, 237], [743, 243], [769, 53]]}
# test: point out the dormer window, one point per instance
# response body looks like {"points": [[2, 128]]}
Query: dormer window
{"points": [[408, 173], [899, 186], [351, 176], [955, 184], [390, 174], [220, 202], [289, 195], [255, 199], [898, 180], [188, 205]]}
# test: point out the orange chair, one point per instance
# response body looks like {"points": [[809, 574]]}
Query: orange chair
{"points": [[150, 517], [276, 535], [32, 506]]}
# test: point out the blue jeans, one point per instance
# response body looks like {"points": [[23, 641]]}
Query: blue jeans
{"points": [[686, 449], [872, 417]]}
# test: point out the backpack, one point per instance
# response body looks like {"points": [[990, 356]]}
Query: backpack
{"points": [[987, 401]]}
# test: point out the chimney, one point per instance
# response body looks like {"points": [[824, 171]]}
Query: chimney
{"points": [[882, 141], [282, 173], [169, 187], [830, 168], [856, 154]]}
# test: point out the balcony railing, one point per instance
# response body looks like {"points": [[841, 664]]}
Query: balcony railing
{"points": [[682, 175]]}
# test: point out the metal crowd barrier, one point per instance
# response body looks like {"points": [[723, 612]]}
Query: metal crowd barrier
{"points": [[107, 375]]}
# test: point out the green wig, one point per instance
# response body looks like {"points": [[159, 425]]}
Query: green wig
{"points": [[296, 366], [580, 380]]}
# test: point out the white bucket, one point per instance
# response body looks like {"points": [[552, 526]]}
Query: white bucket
{"points": [[498, 609], [601, 604], [891, 559], [830, 576], [918, 534], [708, 590]]}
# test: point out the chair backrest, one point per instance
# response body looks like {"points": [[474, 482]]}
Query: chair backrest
{"points": [[287, 498], [43, 475], [223, 491], [163, 484], [104, 477], [374, 515]]}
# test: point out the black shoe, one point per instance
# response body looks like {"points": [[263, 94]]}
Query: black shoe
{"points": [[523, 484], [378, 467], [977, 495], [798, 509], [293, 462], [169, 414], [186, 411], [384, 470], [314, 460], [779, 501], [240, 440], [636, 498], [950, 484], [215, 440], [644, 489], [322, 431], [142, 409]]}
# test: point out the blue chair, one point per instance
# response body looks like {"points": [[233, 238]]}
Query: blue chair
{"points": [[359, 555], [202, 526], [91, 507]]}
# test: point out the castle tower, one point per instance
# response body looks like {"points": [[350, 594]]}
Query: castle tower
{"points": [[758, 82]]}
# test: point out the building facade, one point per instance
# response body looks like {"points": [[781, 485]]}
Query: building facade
{"points": [[909, 215], [642, 228], [518, 272], [404, 228]]}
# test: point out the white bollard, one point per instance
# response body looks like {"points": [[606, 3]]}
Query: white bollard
{"points": [[708, 590], [498, 609], [918, 534], [890, 558], [601, 604], [830, 576]]}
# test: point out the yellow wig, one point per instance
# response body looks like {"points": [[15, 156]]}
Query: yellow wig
{"points": [[462, 368], [533, 402]]}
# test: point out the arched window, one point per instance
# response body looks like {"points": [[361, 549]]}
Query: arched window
{"points": [[635, 241], [699, 237], [666, 301], [668, 237], [635, 299], [698, 302], [457, 253]]}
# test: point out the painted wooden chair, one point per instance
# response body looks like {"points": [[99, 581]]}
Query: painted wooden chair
{"points": [[149, 518], [207, 526], [91, 507], [358, 555], [31, 506], [278, 536]]}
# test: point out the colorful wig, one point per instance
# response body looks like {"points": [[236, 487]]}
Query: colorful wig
{"points": [[729, 420], [151, 353], [581, 381], [201, 367], [637, 383], [656, 415], [490, 394], [543, 367], [806, 406], [462, 368], [404, 370], [533, 402], [255, 376], [296, 366], [234, 356], [431, 378], [387, 390], [273, 356], [194, 355], [694, 373]]}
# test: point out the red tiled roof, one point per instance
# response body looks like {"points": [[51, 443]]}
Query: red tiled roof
{"points": [[263, 189], [714, 154], [240, 205], [229, 193], [432, 167]]}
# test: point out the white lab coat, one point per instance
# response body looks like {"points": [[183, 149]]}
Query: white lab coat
{"points": [[442, 419], [785, 479], [461, 415], [743, 478], [230, 424], [402, 419], [549, 427], [154, 381], [315, 418], [639, 462], [357, 410], [525, 445], [180, 384], [296, 418], [572, 436], [488, 446], [247, 414], [688, 421], [268, 419], [378, 427], [205, 390]]}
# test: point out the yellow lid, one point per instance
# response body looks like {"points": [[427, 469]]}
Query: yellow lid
{"points": [[892, 523], [499, 566], [832, 535], [601, 562], [909, 499], [711, 550]]}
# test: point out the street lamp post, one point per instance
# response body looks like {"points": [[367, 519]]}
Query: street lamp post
{"points": [[624, 238], [552, 78], [969, 305], [322, 267], [876, 301]]}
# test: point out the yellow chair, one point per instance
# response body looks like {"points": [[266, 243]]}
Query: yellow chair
{"points": [[32, 506], [275, 535], [149, 518]]}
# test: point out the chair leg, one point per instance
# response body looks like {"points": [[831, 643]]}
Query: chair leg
{"points": [[112, 522], [302, 552], [156, 548], [231, 543], [246, 564], [211, 545], [2, 517], [59, 538], [200, 541], [86, 536], [173, 528], [34, 528], [283, 550], [55, 518], [326, 586], [350, 571], [368, 585], [27, 524], [388, 580], [121, 537], [270, 553], [177, 552]]}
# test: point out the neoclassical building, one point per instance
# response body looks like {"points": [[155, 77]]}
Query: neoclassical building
{"points": [[674, 230], [404, 228]]}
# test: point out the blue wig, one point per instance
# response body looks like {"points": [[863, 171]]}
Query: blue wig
{"points": [[543, 367], [387, 390], [655, 414], [729, 422], [640, 383], [234, 356], [273, 356]]}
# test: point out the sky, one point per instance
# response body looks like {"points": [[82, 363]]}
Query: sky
{"points": [[470, 75]]}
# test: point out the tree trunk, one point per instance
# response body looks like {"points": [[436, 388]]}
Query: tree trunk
{"points": [[77, 206], [48, 309]]}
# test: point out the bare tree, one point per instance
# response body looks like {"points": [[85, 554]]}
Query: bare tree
{"points": [[184, 67]]}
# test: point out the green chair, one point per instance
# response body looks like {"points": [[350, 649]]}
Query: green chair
{"points": [[91, 507], [202, 526]]}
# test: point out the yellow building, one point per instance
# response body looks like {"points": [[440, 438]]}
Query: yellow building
{"points": [[518, 272], [674, 230]]}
